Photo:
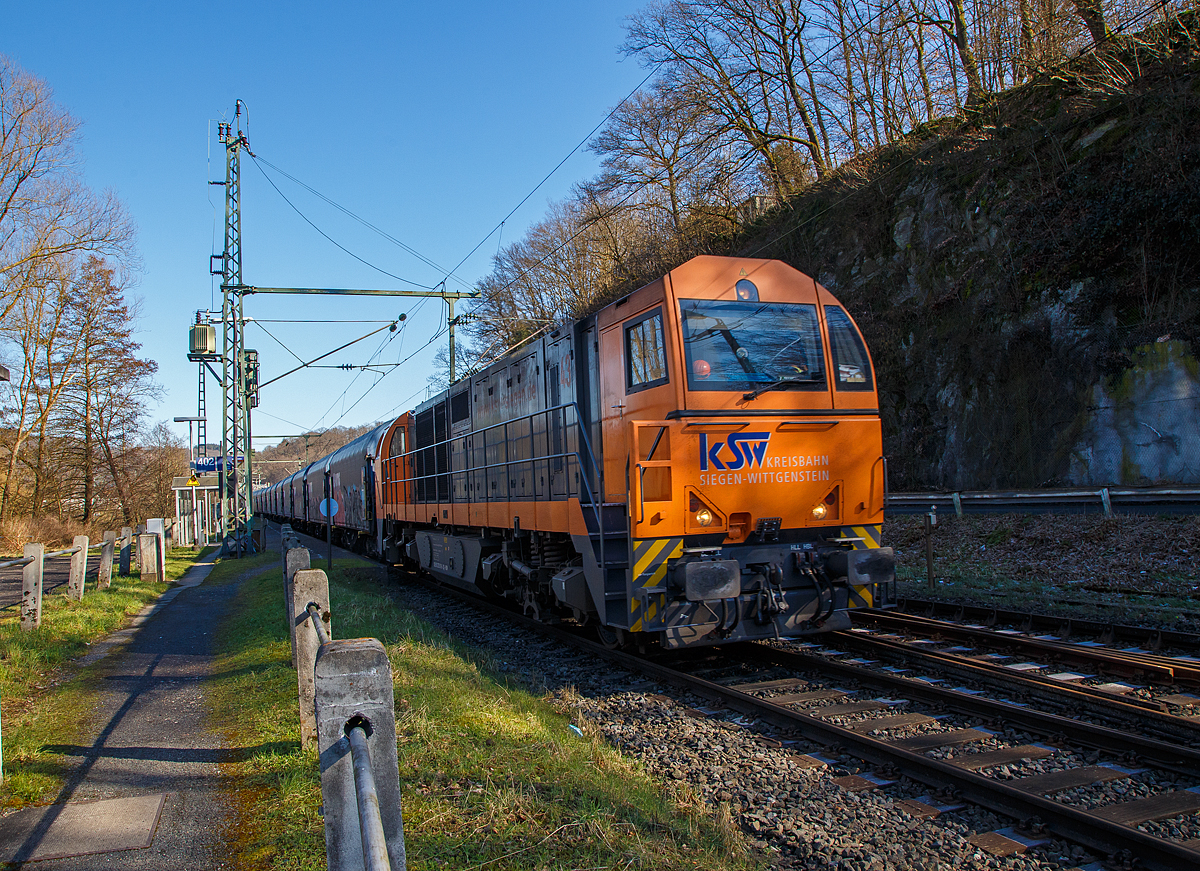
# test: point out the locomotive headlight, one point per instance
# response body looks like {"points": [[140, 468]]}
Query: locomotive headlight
{"points": [[704, 517], [819, 511]]}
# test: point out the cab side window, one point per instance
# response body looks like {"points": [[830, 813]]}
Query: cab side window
{"points": [[851, 366], [645, 353], [396, 448]]}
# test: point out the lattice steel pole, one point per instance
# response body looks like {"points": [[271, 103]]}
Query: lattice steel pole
{"points": [[235, 482]]}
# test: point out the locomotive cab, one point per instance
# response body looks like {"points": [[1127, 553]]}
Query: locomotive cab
{"points": [[741, 430]]}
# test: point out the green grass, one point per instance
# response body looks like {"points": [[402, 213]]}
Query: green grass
{"points": [[491, 776], [42, 702]]}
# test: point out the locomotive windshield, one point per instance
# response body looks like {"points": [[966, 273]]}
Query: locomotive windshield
{"points": [[736, 345]]}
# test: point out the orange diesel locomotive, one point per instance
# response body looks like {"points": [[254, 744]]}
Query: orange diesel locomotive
{"points": [[698, 463]]}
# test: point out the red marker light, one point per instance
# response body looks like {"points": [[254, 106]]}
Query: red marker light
{"points": [[701, 368]]}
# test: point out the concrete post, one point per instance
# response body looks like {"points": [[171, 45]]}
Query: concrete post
{"points": [[148, 556], [295, 559], [78, 575], [104, 577], [31, 587], [354, 683], [308, 585], [126, 548], [195, 521], [160, 541], [157, 526]]}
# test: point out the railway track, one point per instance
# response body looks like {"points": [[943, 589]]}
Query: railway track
{"points": [[900, 742], [960, 739], [1107, 633], [1111, 677], [1113, 790]]}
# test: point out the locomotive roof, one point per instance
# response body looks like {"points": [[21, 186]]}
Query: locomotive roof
{"points": [[705, 268]]}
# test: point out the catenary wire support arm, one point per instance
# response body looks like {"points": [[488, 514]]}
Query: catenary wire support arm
{"points": [[450, 296], [392, 325]]}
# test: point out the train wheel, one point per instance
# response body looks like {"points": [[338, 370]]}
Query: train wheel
{"points": [[610, 638]]}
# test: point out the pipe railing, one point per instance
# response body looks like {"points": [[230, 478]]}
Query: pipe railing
{"points": [[544, 434], [32, 565], [314, 613], [347, 709], [26, 560], [585, 464], [370, 819]]}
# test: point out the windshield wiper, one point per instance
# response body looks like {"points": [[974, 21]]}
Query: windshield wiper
{"points": [[775, 385]]}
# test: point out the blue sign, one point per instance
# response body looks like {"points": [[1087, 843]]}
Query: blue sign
{"points": [[328, 507], [211, 464]]}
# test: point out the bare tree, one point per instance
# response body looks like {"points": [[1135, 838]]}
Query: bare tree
{"points": [[653, 146], [109, 390], [38, 326], [744, 60], [46, 212]]}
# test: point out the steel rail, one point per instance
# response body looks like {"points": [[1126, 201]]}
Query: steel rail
{"points": [[1052, 623], [1076, 825], [1079, 826], [1145, 710], [370, 818], [1167, 754], [1148, 665]]}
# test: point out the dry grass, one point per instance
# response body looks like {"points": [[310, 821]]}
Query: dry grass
{"points": [[1145, 566]]}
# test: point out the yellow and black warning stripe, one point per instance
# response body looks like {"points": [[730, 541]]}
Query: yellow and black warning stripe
{"points": [[650, 556], [863, 537], [862, 596]]}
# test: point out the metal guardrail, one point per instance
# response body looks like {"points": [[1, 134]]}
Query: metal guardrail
{"points": [[33, 568], [1071, 500], [26, 560]]}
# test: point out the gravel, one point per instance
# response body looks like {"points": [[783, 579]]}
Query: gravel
{"points": [[796, 816]]}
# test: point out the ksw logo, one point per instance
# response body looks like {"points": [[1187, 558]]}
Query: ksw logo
{"points": [[748, 449]]}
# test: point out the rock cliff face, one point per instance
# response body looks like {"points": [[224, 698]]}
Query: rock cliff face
{"points": [[1143, 427], [1014, 273]]}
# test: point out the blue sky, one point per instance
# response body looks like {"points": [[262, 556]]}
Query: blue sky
{"points": [[429, 121]]}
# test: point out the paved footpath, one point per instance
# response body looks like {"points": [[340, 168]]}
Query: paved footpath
{"points": [[145, 794]]}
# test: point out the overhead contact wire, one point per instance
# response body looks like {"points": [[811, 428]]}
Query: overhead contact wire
{"points": [[330, 239]]}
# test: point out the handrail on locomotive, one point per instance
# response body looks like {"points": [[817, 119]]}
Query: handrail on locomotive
{"points": [[596, 507]]}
